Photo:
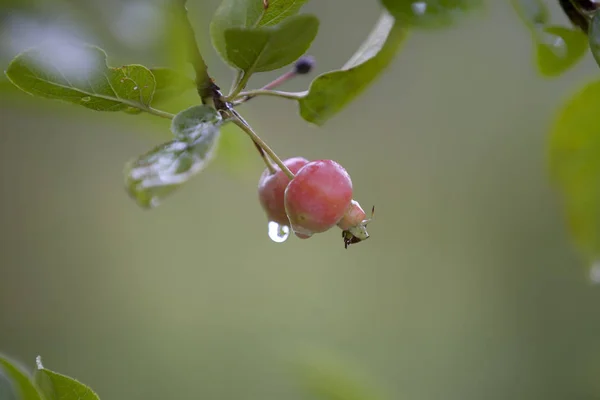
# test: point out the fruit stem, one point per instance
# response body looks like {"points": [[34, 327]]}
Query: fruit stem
{"points": [[243, 96], [242, 81], [241, 122]]}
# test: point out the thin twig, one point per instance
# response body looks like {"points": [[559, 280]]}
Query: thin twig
{"points": [[241, 122]]}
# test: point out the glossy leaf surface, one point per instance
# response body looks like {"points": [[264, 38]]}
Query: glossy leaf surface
{"points": [[329, 93], [249, 14], [158, 173], [80, 75]]}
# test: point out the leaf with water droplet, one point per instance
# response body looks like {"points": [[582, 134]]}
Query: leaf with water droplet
{"points": [[559, 49], [21, 382], [534, 13], [55, 386], [430, 13], [248, 14], [158, 173], [330, 92], [574, 161], [79, 74]]}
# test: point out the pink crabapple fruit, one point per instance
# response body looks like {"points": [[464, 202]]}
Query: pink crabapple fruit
{"points": [[318, 197], [271, 190]]}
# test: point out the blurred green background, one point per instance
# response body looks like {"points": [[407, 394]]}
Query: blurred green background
{"points": [[468, 289]]}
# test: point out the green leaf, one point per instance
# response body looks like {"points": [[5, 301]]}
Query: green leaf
{"points": [[25, 389], [329, 93], [559, 49], [169, 84], [158, 173], [430, 13], [80, 75], [266, 49], [594, 37], [55, 386], [328, 378], [248, 14], [574, 156], [533, 13]]}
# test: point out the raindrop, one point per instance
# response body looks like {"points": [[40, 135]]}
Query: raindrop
{"points": [[419, 8], [135, 88], [278, 233], [595, 272], [86, 99]]}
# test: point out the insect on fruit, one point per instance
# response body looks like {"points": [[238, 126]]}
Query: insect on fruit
{"points": [[357, 233]]}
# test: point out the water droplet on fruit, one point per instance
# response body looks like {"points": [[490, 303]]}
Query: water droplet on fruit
{"points": [[278, 233], [86, 99]]}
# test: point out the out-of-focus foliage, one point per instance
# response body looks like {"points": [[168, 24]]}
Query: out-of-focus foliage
{"points": [[20, 381], [430, 13], [44, 385], [556, 48], [575, 165]]}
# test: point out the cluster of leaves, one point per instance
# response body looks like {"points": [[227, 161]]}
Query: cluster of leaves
{"points": [[574, 143], [251, 36]]}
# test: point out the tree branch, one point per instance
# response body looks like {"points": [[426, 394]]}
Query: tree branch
{"points": [[207, 89]]}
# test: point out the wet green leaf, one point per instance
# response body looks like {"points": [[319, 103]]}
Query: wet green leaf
{"points": [[329, 93], [55, 386], [558, 49], [158, 173], [574, 156], [248, 14], [21, 382], [269, 48], [430, 13], [533, 13], [79, 74], [594, 37]]}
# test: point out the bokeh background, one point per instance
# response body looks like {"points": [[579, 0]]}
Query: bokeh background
{"points": [[468, 289]]}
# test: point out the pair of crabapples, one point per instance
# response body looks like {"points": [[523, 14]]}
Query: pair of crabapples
{"points": [[317, 199]]}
